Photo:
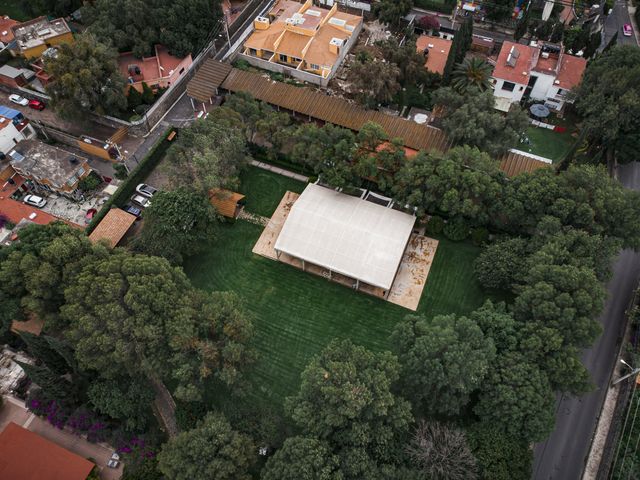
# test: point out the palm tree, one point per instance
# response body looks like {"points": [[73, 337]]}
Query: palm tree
{"points": [[472, 73]]}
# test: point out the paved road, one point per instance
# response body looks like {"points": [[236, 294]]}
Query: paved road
{"points": [[614, 23], [563, 455]]}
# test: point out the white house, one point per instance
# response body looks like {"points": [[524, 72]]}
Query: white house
{"points": [[12, 133], [540, 71]]}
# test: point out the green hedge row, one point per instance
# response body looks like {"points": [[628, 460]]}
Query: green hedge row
{"points": [[136, 176], [259, 153]]}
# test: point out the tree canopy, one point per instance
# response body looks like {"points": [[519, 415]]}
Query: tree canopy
{"points": [[470, 119], [209, 154], [392, 11], [302, 458], [177, 224], [608, 99], [443, 361], [183, 26], [86, 78], [211, 450]]}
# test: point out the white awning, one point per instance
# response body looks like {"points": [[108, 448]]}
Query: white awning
{"points": [[502, 103], [346, 235]]}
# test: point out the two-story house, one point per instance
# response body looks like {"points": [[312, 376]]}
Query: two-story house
{"points": [[32, 38], [49, 168], [539, 71], [301, 40]]}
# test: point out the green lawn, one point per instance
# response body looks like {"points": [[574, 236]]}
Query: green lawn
{"points": [[15, 9], [296, 314], [547, 143]]}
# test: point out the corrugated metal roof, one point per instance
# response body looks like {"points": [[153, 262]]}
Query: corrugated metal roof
{"points": [[347, 235], [334, 110], [207, 79]]}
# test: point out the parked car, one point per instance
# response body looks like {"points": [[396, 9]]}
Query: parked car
{"points": [[89, 215], [111, 463], [19, 100], [146, 190], [132, 210], [141, 200], [36, 104], [627, 31], [34, 201]]}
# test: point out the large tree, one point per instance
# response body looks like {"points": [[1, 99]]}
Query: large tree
{"points": [[303, 458], [408, 60], [35, 271], [392, 11], [470, 119], [346, 399], [209, 154], [608, 100], [125, 399], [517, 398], [500, 456], [139, 315], [472, 73], [179, 223], [374, 81], [443, 361], [211, 450], [328, 150], [86, 78], [462, 182]]}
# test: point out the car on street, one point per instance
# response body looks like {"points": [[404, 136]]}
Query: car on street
{"points": [[627, 31], [19, 100], [34, 201], [132, 210], [146, 190], [141, 200], [36, 104]]}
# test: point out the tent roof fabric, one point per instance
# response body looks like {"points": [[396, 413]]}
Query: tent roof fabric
{"points": [[346, 235], [113, 227], [225, 201], [334, 110], [207, 79], [26, 455]]}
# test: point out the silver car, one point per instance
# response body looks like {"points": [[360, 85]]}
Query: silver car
{"points": [[19, 100], [146, 190], [141, 200], [34, 201]]}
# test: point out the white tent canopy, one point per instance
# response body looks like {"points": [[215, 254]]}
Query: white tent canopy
{"points": [[346, 235]]}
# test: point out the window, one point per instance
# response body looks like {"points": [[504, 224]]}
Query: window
{"points": [[313, 66], [181, 71], [508, 86], [561, 91], [283, 58], [253, 52]]}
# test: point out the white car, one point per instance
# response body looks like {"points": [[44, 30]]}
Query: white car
{"points": [[141, 200], [19, 100], [146, 190], [34, 201]]}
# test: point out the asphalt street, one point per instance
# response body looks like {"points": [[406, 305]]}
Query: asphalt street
{"points": [[614, 22], [445, 21], [563, 455]]}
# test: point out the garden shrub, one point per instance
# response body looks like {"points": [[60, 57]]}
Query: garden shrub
{"points": [[435, 225], [479, 236], [90, 182], [456, 229], [120, 171]]}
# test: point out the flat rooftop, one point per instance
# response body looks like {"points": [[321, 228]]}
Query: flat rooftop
{"points": [[37, 31], [42, 161], [346, 235]]}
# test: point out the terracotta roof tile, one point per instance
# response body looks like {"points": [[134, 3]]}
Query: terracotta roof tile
{"points": [[25, 455], [571, 71], [438, 52], [113, 227], [16, 211], [225, 201], [518, 73]]}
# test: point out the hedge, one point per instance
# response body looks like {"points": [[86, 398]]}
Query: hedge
{"points": [[260, 154], [136, 176]]}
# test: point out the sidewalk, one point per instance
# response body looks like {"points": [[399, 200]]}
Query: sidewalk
{"points": [[280, 171]]}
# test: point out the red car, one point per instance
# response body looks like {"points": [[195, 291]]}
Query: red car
{"points": [[36, 104]]}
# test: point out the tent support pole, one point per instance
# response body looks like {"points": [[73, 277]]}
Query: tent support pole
{"points": [[303, 265], [357, 284]]}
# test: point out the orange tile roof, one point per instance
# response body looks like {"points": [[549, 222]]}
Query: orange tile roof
{"points": [[33, 325], [25, 455], [113, 227], [292, 44], [571, 71], [438, 53], [264, 39], [16, 211], [520, 72], [225, 201], [6, 34]]}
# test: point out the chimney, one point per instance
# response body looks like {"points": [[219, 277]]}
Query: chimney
{"points": [[261, 23], [335, 45]]}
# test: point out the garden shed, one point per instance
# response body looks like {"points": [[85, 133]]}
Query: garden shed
{"points": [[227, 203]]}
